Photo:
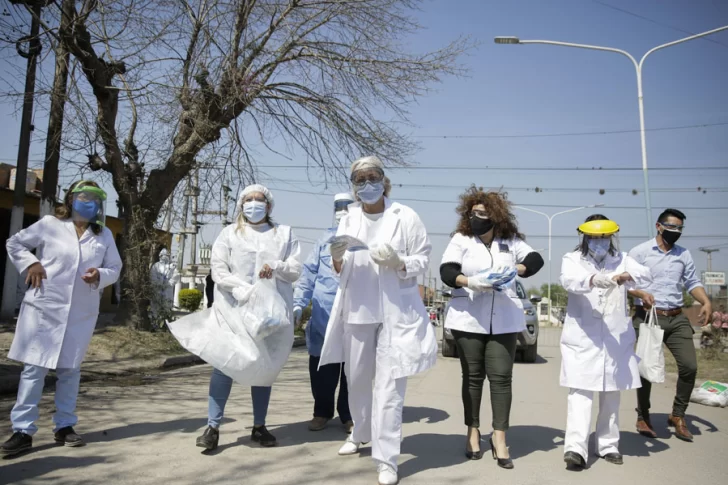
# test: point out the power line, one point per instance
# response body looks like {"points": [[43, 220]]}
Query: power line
{"points": [[576, 133], [517, 168], [606, 206]]}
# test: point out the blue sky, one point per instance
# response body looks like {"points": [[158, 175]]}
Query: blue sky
{"points": [[532, 89]]}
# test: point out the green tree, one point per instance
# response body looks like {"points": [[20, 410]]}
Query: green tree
{"points": [[559, 295]]}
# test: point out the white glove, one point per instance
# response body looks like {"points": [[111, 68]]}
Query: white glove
{"points": [[297, 313], [337, 250], [479, 283], [385, 255], [601, 280], [242, 293]]}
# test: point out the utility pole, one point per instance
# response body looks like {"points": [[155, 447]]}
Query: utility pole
{"points": [[10, 284], [183, 232], [193, 235], [55, 120], [709, 252]]}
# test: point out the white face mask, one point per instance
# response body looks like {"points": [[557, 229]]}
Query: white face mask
{"points": [[599, 248], [255, 211], [339, 215]]}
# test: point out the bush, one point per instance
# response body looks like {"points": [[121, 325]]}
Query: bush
{"points": [[190, 299]]}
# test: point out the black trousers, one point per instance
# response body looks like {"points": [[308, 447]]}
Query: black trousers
{"points": [[488, 356], [323, 388]]}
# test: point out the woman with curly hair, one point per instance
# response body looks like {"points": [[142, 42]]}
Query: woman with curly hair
{"points": [[485, 315]]}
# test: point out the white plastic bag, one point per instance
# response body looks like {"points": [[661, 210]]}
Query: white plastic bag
{"points": [[265, 312], [711, 393], [649, 350]]}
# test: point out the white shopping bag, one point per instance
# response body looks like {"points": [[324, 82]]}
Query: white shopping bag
{"points": [[649, 350]]}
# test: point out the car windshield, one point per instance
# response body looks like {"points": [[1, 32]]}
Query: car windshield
{"points": [[520, 291]]}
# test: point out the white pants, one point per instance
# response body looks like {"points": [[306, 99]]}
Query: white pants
{"points": [[578, 423], [377, 412]]}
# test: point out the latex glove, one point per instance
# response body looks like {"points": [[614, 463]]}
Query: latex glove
{"points": [[297, 313], [479, 282], [242, 293], [600, 280], [337, 250], [385, 255], [503, 276]]}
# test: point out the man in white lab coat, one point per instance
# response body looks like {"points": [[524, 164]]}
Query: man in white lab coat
{"points": [[76, 258], [597, 342], [379, 326]]}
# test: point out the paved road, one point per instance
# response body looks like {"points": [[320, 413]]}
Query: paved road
{"points": [[145, 434]]}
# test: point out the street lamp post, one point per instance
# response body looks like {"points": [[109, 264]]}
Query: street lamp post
{"points": [[550, 218], [638, 69]]}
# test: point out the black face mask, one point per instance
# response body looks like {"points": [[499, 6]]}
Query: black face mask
{"points": [[480, 226], [670, 237]]}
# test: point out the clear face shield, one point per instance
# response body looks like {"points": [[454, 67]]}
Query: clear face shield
{"points": [[89, 205]]}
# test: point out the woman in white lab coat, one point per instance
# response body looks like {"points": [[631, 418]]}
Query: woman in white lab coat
{"points": [[379, 326], [485, 314], [244, 254], [75, 259], [597, 342]]}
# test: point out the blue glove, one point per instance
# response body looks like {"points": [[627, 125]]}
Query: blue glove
{"points": [[504, 277]]}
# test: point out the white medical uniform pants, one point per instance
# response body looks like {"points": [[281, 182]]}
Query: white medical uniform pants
{"points": [[578, 423], [375, 398]]}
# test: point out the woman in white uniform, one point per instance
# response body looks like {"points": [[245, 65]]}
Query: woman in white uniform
{"points": [[243, 255], [379, 327], [597, 342], [485, 314], [75, 259]]}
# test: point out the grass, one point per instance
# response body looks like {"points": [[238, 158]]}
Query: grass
{"points": [[712, 364]]}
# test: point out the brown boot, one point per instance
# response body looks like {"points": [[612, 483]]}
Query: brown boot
{"points": [[681, 428], [644, 427]]}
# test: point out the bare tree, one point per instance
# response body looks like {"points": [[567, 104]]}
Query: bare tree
{"points": [[171, 82]]}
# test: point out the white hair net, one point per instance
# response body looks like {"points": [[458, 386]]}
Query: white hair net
{"points": [[257, 188], [367, 162]]}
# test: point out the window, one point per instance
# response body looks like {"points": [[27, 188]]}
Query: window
{"points": [[520, 291]]}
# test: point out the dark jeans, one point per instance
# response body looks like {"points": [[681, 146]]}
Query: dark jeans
{"points": [[679, 341], [492, 356], [323, 388]]}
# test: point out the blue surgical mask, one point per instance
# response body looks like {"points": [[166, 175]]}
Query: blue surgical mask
{"points": [[255, 211], [87, 210], [599, 248], [371, 192]]}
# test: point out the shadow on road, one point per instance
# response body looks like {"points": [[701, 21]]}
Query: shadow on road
{"points": [[412, 414], [145, 429], [634, 444], [38, 467], [524, 440]]}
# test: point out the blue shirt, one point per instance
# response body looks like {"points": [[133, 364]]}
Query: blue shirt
{"points": [[672, 272], [318, 284]]}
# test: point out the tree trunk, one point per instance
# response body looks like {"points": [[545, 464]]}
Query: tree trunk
{"points": [[140, 239]]}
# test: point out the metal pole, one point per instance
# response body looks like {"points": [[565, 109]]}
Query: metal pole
{"points": [[193, 236], [648, 204], [181, 257], [550, 218], [10, 283]]}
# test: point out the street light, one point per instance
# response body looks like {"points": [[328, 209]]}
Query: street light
{"points": [[638, 68], [550, 219]]}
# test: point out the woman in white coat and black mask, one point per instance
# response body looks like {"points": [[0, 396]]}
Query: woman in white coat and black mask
{"points": [[485, 314], [75, 259], [244, 256], [378, 325], [597, 342]]}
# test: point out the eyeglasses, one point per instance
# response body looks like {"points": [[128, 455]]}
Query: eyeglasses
{"points": [[673, 227], [361, 177], [86, 197], [480, 214]]}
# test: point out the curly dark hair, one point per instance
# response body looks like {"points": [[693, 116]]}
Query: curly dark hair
{"points": [[496, 205]]}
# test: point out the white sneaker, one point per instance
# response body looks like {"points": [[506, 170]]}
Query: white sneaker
{"points": [[387, 475], [349, 447]]}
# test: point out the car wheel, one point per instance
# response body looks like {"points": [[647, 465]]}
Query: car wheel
{"points": [[530, 353], [448, 348]]}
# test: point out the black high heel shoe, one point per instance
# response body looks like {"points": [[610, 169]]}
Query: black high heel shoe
{"points": [[475, 455], [506, 463]]}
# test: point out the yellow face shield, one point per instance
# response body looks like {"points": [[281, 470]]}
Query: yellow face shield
{"points": [[599, 228]]}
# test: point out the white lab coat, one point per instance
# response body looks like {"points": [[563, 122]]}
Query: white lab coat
{"points": [[413, 345], [597, 342], [489, 312], [218, 334], [56, 322]]}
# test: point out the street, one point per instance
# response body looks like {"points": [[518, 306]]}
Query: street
{"points": [[144, 433]]}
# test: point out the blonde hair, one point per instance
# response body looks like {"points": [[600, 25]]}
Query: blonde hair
{"points": [[242, 221], [65, 210], [387, 189]]}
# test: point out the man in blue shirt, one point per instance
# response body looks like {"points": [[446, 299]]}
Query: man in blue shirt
{"points": [[318, 284], [673, 271]]}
